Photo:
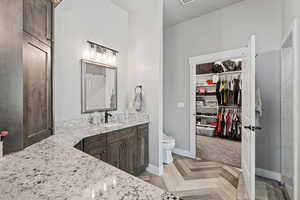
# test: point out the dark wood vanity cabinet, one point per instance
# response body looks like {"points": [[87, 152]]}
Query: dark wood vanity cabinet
{"points": [[26, 71], [37, 101], [142, 148], [96, 146], [121, 148], [37, 19], [37, 70], [79, 146]]}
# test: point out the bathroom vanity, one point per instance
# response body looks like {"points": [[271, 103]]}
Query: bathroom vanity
{"points": [[126, 149], [54, 169]]}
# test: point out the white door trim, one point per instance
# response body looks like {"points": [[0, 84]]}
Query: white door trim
{"points": [[293, 32], [268, 174], [193, 61]]}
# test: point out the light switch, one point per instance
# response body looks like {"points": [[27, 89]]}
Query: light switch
{"points": [[180, 105]]}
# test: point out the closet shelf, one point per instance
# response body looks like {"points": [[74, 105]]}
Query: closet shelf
{"points": [[209, 107], [205, 125], [233, 106], [207, 116], [199, 85], [208, 95], [223, 73], [219, 106]]}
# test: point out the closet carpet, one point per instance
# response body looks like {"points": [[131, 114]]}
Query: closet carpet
{"points": [[220, 150], [197, 180]]}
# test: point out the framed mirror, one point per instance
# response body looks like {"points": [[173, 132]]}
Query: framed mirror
{"points": [[99, 87]]}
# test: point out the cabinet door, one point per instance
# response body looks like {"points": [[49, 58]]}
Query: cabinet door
{"points": [[131, 152], [96, 146], [142, 148], [37, 19], [99, 153], [117, 154], [103, 154], [37, 90]]}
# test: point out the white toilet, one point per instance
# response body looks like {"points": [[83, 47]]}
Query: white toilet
{"points": [[168, 145]]}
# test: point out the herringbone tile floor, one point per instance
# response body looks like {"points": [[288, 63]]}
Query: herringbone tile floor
{"points": [[198, 180]]}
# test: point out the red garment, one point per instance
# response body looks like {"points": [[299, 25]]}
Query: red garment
{"points": [[219, 120], [228, 123]]}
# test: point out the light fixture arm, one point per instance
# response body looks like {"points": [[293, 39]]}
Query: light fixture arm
{"points": [[104, 47]]}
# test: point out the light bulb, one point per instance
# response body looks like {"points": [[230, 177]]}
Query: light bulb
{"points": [[98, 57], [98, 54], [86, 54], [104, 56], [114, 58], [92, 52], [109, 59]]}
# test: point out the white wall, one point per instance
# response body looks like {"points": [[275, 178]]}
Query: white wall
{"points": [[77, 21], [227, 28], [268, 140], [136, 33], [291, 10], [145, 68]]}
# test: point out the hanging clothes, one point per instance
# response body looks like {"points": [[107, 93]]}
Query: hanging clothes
{"points": [[218, 92], [228, 123], [229, 92]]}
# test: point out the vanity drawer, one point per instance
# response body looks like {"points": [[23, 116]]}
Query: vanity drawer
{"points": [[95, 142], [99, 153], [121, 134]]}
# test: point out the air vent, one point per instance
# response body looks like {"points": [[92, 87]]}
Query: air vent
{"points": [[185, 2]]}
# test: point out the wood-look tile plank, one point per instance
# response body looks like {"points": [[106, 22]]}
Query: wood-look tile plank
{"points": [[230, 178], [194, 179], [234, 171]]}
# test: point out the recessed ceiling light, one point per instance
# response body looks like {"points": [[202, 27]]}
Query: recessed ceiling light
{"points": [[185, 2]]}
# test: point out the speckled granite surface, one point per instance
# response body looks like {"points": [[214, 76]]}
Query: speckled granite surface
{"points": [[53, 169]]}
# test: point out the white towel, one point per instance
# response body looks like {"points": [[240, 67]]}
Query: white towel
{"points": [[138, 99], [258, 106]]}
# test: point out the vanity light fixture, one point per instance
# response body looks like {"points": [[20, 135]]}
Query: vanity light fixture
{"points": [[102, 54]]}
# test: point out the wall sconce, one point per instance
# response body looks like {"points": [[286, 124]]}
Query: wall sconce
{"points": [[101, 54]]}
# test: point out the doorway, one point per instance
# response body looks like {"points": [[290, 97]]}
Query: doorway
{"points": [[217, 97]]}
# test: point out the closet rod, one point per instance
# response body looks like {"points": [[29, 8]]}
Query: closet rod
{"points": [[220, 74], [220, 106]]}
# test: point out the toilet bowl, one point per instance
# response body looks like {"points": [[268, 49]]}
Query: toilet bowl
{"points": [[168, 146]]}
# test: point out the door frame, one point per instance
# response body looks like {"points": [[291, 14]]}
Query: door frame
{"points": [[293, 34], [193, 61]]}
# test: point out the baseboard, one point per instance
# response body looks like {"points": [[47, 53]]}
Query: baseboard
{"points": [[155, 170], [182, 152], [268, 174]]}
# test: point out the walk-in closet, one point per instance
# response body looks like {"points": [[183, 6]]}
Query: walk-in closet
{"points": [[218, 111]]}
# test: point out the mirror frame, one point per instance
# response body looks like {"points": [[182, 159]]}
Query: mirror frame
{"points": [[83, 84]]}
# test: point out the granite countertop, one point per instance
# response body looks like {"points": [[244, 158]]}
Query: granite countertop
{"points": [[54, 170]]}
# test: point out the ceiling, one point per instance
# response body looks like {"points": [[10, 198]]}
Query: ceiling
{"points": [[129, 5], [175, 12]]}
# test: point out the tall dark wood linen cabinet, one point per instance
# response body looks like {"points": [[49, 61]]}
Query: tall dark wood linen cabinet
{"points": [[26, 40]]}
